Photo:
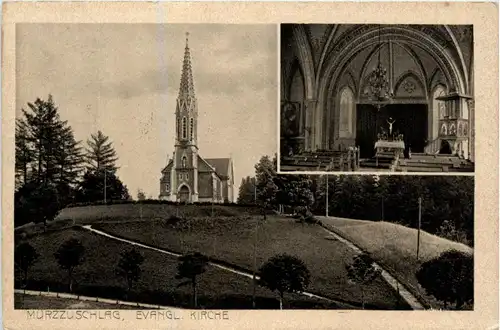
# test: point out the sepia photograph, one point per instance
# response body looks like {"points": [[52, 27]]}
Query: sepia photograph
{"points": [[376, 98], [158, 214], [249, 165], [137, 126]]}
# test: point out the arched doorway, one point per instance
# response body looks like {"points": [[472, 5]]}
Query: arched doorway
{"points": [[184, 194]]}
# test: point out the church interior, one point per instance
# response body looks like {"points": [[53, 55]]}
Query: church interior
{"points": [[369, 97]]}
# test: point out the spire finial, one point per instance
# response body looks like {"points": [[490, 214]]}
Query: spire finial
{"points": [[187, 38]]}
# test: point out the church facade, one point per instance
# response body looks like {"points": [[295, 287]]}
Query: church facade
{"points": [[331, 80], [188, 177]]}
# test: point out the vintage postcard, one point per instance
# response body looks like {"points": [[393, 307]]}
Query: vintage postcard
{"points": [[250, 165]]}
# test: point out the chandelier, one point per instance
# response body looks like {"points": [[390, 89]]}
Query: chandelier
{"points": [[378, 89]]}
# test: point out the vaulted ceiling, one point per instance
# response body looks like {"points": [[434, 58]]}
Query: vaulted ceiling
{"points": [[328, 56]]}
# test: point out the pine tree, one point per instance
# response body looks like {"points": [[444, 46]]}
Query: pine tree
{"points": [[48, 162], [247, 191], [46, 149], [43, 128], [69, 158], [100, 154], [24, 153]]}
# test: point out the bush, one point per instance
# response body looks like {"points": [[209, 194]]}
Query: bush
{"points": [[449, 278]]}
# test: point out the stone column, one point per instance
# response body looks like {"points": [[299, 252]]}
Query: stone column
{"points": [[310, 132], [195, 176], [472, 130], [173, 179]]}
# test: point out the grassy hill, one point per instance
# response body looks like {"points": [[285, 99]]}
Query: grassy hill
{"points": [[135, 211], [218, 289], [231, 239], [394, 247]]}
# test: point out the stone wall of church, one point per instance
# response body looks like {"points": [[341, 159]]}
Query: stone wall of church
{"points": [[225, 191], [205, 186]]}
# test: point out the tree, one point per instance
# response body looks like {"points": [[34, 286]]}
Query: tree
{"points": [[129, 267], [24, 153], [449, 278], [91, 188], [36, 202], [69, 158], [70, 255], [265, 171], [140, 195], [100, 154], [362, 271], [295, 191], [25, 256], [284, 273], [44, 133], [48, 159], [247, 191], [191, 266]]}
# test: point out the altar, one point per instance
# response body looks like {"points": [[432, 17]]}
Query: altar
{"points": [[392, 147]]}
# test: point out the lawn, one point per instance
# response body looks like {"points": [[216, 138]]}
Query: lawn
{"points": [[89, 214], [231, 239], [394, 247], [129, 212], [157, 284]]}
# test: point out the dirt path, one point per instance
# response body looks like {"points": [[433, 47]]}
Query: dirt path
{"points": [[82, 305], [403, 292]]}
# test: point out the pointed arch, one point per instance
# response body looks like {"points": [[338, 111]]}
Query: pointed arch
{"points": [[296, 83], [184, 127], [191, 128], [410, 74], [178, 127], [346, 110], [184, 193], [460, 55], [184, 161], [303, 49], [436, 78]]}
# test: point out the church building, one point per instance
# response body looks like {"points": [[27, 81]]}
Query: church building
{"points": [[403, 92], [188, 177]]}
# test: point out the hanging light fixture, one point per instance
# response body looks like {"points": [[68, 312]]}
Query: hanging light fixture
{"points": [[378, 89]]}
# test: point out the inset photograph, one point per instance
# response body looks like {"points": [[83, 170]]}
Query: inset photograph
{"points": [[376, 98]]}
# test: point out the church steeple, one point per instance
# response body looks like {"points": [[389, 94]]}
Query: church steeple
{"points": [[187, 109], [186, 89]]}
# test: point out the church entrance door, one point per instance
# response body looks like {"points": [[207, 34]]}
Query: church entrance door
{"points": [[408, 119], [184, 194]]}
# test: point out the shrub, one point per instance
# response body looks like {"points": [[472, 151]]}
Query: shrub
{"points": [[449, 278]]}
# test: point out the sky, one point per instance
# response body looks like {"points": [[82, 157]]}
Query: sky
{"points": [[123, 79]]}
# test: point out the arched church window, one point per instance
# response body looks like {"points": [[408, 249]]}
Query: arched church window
{"points": [[167, 187], [346, 112], [191, 127], [184, 161], [187, 176], [178, 127], [184, 128]]}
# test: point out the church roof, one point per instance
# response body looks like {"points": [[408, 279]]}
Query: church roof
{"points": [[221, 165]]}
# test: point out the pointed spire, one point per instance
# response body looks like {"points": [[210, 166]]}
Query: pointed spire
{"points": [[187, 87]]}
